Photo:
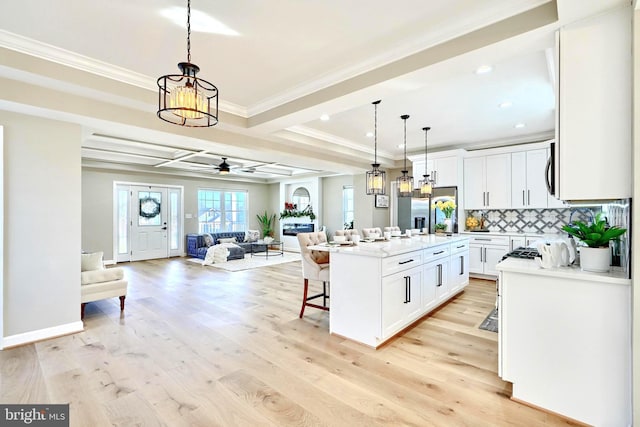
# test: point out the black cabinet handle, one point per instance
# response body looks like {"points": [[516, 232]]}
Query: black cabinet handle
{"points": [[409, 293], [406, 289], [405, 262], [461, 265], [439, 275], [438, 253], [461, 246]]}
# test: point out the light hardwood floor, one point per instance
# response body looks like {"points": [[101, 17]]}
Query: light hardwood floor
{"points": [[199, 346]]}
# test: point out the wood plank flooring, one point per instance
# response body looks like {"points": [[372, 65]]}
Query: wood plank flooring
{"points": [[198, 346]]}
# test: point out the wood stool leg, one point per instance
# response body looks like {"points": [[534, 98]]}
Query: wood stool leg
{"points": [[122, 297], [304, 296]]}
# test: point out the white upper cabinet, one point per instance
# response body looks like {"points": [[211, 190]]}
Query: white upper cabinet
{"points": [[593, 127], [444, 167], [528, 188], [444, 171], [487, 182]]}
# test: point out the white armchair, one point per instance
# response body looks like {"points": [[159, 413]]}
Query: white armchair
{"points": [[315, 266], [97, 282], [347, 233], [366, 232]]}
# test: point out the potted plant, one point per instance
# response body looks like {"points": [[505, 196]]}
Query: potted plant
{"points": [[440, 228], [596, 255], [266, 223]]}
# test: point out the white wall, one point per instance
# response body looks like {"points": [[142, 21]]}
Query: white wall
{"points": [[97, 202], [42, 217], [332, 201]]}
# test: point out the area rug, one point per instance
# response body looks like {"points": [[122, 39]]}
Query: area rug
{"points": [[491, 322], [248, 262]]}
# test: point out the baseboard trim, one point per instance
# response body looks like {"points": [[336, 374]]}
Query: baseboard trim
{"points": [[41, 334]]}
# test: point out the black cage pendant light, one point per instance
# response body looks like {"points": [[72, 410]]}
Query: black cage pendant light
{"points": [[425, 184], [405, 181], [376, 178], [184, 99]]}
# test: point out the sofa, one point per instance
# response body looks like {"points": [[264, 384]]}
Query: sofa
{"points": [[197, 246]]}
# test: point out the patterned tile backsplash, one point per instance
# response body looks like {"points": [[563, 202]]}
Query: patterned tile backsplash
{"points": [[538, 221]]}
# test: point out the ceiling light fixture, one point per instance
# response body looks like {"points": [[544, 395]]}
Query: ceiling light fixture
{"points": [[425, 184], [405, 181], [184, 99], [519, 125], [324, 117], [505, 104], [483, 69], [376, 178], [224, 168]]}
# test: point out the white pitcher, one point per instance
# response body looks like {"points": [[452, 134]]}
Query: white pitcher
{"points": [[555, 254]]}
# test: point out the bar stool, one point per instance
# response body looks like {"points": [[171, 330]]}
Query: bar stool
{"points": [[315, 266]]}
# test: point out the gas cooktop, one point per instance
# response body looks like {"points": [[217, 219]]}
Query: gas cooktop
{"points": [[522, 252]]}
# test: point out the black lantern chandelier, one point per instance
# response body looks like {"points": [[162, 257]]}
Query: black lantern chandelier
{"points": [[425, 184], [376, 178], [184, 99], [405, 182]]}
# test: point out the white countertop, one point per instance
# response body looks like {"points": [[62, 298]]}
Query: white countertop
{"points": [[395, 246], [528, 266]]}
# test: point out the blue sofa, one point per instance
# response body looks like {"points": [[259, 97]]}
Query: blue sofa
{"points": [[197, 248]]}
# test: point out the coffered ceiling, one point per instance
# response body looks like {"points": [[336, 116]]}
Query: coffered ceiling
{"points": [[287, 63]]}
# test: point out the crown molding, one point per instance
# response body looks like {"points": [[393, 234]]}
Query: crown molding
{"points": [[70, 59]]}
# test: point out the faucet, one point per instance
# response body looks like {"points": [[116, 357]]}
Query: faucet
{"points": [[584, 210]]}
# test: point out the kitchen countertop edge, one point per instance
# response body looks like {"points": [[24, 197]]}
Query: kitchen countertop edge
{"points": [[615, 276]]}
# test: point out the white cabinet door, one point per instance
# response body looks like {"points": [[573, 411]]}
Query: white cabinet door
{"points": [[458, 271], [474, 187], [492, 256], [536, 196], [594, 113], [418, 169], [401, 301], [443, 290], [430, 280], [498, 181], [446, 171], [517, 242], [519, 180], [476, 254]]}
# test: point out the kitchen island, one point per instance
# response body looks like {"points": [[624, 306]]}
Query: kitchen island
{"points": [[380, 288], [565, 340]]}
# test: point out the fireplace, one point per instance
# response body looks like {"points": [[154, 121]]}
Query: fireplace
{"points": [[292, 229]]}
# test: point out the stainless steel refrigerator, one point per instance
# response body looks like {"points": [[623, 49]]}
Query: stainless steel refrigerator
{"points": [[417, 212]]}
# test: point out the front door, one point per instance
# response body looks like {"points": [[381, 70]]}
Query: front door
{"points": [[149, 212]]}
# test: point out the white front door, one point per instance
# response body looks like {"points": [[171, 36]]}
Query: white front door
{"points": [[149, 213]]}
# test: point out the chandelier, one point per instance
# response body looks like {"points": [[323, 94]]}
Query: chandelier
{"points": [[425, 184], [376, 178], [405, 182], [184, 99]]}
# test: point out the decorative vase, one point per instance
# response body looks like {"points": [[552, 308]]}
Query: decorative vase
{"points": [[596, 260], [449, 223]]}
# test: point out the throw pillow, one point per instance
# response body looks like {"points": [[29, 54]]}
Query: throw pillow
{"points": [[91, 261], [208, 239], [228, 240], [252, 235]]}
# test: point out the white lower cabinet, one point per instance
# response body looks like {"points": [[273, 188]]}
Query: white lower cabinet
{"points": [[401, 293], [435, 287], [458, 271], [486, 252]]}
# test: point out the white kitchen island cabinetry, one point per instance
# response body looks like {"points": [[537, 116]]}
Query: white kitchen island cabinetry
{"points": [[565, 340], [380, 288]]}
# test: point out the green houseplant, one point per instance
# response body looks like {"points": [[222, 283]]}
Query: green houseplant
{"points": [[266, 223], [596, 256]]}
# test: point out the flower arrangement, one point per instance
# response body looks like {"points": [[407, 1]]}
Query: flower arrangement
{"points": [[447, 207], [291, 211]]}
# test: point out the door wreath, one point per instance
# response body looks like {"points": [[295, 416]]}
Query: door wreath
{"points": [[149, 207]]}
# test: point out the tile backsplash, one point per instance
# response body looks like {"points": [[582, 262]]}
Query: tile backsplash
{"points": [[538, 221]]}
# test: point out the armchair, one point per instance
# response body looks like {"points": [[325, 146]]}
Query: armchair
{"points": [[97, 282]]}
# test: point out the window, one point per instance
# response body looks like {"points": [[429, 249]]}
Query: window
{"points": [[222, 211], [347, 206]]}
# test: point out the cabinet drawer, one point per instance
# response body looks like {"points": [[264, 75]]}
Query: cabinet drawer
{"points": [[457, 247], [490, 240], [435, 252], [396, 263]]}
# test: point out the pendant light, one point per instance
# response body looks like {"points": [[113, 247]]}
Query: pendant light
{"points": [[405, 182], [376, 178], [425, 184], [184, 99]]}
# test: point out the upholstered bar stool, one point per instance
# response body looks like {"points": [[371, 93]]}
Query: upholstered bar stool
{"points": [[392, 229], [315, 266], [347, 233], [366, 232]]}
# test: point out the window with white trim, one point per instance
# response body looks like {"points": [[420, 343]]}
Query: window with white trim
{"points": [[347, 206], [222, 210]]}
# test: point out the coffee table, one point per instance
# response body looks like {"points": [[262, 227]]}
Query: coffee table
{"points": [[274, 248]]}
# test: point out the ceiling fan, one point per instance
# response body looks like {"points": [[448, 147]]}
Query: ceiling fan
{"points": [[223, 168]]}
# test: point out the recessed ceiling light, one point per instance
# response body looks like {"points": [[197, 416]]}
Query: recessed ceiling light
{"points": [[200, 21], [324, 117], [400, 145], [369, 134], [519, 125], [483, 69], [505, 104]]}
